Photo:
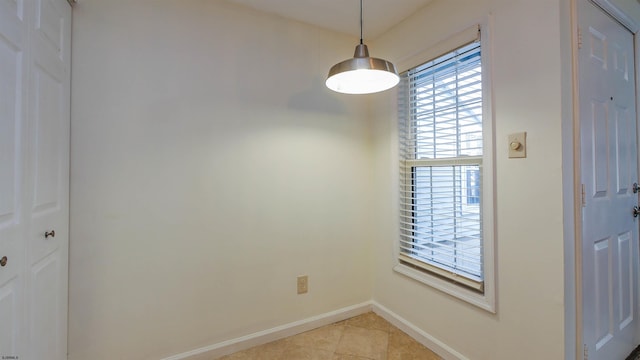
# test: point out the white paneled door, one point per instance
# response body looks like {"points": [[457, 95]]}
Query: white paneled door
{"points": [[608, 171], [34, 171]]}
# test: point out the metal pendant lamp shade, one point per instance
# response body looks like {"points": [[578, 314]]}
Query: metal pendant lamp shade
{"points": [[362, 74]]}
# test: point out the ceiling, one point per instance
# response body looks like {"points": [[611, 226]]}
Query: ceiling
{"points": [[341, 15]]}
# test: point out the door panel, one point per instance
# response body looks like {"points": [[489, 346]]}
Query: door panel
{"points": [[609, 168], [46, 299], [624, 144], [10, 310], [49, 107], [603, 288], [12, 110], [600, 145], [625, 278]]}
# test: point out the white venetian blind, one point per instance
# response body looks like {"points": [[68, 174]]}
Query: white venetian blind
{"points": [[440, 128]]}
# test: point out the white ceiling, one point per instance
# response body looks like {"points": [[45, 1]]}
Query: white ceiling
{"points": [[341, 15]]}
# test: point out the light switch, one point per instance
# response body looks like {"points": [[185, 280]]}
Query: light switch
{"points": [[518, 145]]}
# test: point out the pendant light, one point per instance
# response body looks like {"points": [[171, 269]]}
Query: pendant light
{"points": [[362, 74]]}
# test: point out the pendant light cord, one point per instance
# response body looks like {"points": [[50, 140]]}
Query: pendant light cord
{"points": [[361, 22]]}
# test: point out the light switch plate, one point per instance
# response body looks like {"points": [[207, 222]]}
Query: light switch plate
{"points": [[518, 145]]}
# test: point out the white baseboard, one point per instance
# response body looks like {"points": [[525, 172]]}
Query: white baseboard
{"points": [[297, 327], [276, 333], [440, 348]]}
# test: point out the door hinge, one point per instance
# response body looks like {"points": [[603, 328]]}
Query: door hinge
{"points": [[579, 38], [586, 352], [583, 199]]}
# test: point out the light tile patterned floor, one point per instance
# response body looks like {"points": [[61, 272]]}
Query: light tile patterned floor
{"points": [[364, 337]]}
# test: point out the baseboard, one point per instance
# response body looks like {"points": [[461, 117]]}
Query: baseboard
{"points": [[297, 327], [440, 348], [276, 333]]}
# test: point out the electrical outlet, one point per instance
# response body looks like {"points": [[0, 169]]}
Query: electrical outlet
{"points": [[303, 284]]}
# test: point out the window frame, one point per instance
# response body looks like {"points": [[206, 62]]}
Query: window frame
{"points": [[484, 299]]}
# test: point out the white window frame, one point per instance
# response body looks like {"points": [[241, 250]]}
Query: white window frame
{"points": [[486, 298]]}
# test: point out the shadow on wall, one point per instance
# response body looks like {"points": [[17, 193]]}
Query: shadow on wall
{"points": [[317, 98]]}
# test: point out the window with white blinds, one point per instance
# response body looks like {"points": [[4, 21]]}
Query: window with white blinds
{"points": [[441, 153]]}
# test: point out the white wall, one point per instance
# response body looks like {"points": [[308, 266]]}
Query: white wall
{"points": [[210, 167], [529, 64]]}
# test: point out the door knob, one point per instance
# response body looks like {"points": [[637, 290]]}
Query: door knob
{"points": [[636, 188], [636, 211], [3, 261], [51, 233]]}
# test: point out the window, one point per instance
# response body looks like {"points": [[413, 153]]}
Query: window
{"points": [[441, 142]]}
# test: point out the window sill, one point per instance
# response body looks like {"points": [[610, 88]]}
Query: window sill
{"points": [[484, 301]]}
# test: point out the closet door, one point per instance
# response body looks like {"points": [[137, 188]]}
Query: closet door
{"points": [[13, 74], [34, 177], [48, 163]]}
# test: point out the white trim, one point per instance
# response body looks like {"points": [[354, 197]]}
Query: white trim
{"points": [[428, 340], [276, 333], [572, 203], [489, 211], [615, 12]]}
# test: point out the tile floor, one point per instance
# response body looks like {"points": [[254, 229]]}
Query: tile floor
{"points": [[364, 337]]}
